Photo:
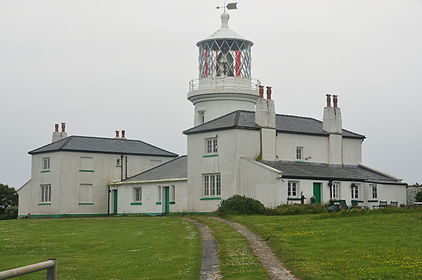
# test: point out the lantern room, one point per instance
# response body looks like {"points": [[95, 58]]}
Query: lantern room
{"points": [[224, 54]]}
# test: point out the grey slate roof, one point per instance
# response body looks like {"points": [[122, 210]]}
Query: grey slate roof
{"points": [[284, 123], [290, 169], [173, 169], [103, 145]]}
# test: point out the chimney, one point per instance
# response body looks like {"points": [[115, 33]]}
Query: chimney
{"points": [[261, 91], [117, 134], [123, 133], [57, 135], [265, 118], [332, 124]]}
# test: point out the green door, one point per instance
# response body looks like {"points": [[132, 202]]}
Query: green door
{"points": [[317, 192], [115, 202], [166, 200]]}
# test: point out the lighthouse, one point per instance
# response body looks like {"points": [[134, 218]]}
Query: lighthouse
{"points": [[224, 84]]}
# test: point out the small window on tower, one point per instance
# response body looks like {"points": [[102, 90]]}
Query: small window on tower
{"points": [[201, 117]]}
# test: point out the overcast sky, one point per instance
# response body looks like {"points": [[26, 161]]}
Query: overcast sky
{"points": [[107, 65]]}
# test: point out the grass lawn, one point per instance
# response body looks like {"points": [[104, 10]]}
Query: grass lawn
{"points": [[371, 246], [237, 260], [104, 248]]}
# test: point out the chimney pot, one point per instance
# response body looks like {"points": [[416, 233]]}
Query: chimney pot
{"points": [[56, 127], [123, 133], [269, 93], [335, 101], [117, 134], [261, 91], [328, 100], [63, 127]]}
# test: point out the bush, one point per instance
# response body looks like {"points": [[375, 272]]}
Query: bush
{"points": [[300, 209], [241, 205], [10, 213], [419, 196]]}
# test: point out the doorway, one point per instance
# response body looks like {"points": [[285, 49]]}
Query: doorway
{"points": [[166, 200], [115, 202], [317, 192]]}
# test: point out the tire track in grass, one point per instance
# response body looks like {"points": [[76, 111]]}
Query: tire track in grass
{"points": [[210, 267], [262, 251]]}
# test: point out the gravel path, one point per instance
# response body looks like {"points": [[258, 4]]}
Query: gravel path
{"points": [[268, 259], [210, 267]]}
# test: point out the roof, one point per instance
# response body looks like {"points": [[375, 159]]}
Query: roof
{"points": [[224, 32], [284, 123], [301, 170], [103, 145], [173, 169]]}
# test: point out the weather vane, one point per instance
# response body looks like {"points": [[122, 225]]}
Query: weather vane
{"points": [[229, 6]]}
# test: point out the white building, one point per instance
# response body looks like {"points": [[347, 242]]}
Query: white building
{"points": [[238, 145], [69, 176]]}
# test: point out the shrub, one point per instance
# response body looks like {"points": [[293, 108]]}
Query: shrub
{"points": [[10, 213], [419, 196], [240, 205], [300, 209]]}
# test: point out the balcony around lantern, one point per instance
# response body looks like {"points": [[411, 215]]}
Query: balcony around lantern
{"points": [[239, 85]]}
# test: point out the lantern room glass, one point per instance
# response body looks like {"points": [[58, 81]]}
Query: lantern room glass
{"points": [[224, 58]]}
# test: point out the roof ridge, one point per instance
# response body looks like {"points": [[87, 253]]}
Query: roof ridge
{"points": [[155, 167], [202, 124]]}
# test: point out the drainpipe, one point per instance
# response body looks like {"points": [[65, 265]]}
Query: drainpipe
{"points": [[121, 168], [108, 200], [125, 167]]}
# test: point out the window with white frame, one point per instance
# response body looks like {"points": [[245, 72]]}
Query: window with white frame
{"points": [[335, 189], [46, 163], [85, 193], [212, 184], [173, 193], [299, 152], [211, 145], [374, 190], [292, 188], [137, 194], [355, 191], [45, 191]]}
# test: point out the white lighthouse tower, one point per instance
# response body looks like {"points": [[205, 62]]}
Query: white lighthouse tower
{"points": [[225, 84]]}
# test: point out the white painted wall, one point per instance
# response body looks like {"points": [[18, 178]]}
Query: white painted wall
{"points": [[150, 198], [65, 179], [315, 147], [352, 151]]}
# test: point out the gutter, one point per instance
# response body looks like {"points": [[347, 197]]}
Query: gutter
{"points": [[116, 184]]}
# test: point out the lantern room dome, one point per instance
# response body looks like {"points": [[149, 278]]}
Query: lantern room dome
{"points": [[225, 32]]}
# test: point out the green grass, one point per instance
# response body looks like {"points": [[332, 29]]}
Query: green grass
{"points": [[372, 245], [237, 260], [104, 248]]}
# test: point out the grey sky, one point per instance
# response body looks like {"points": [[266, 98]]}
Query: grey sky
{"points": [[106, 65]]}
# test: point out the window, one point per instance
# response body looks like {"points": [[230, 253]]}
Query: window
{"points": [[335, 188], [159, 193], [211, 145], [85, 193], [86, 164], [173, 193], [137, 194], [45, 193], [299, 152], [374, 191], [118, 163], [201, 117], [355, 191], [46, 163], [292, 188], [212, 184]]}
